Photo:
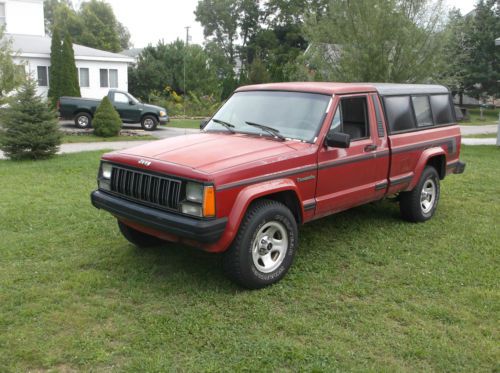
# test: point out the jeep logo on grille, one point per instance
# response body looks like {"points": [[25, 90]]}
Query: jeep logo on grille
{"points": [[145, 163]]}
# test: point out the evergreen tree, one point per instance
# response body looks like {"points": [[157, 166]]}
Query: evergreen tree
{"points": [[30, 129], [55, 68], [107, 122], [70, 85]]}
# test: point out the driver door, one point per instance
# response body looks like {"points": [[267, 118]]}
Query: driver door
{"points": [[355, 175], [129, 112]]}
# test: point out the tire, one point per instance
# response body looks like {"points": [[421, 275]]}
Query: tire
{"points": [[83, 120], [251, 261], [420, 204], [137, 238], [149, 123]]}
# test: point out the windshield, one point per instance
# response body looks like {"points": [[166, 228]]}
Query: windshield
{"points": [[295, 115], [132, 98]]}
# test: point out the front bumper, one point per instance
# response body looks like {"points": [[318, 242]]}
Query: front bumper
{"points": [[164, 120], [205, 231]]}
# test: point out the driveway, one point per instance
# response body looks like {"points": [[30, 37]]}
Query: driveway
{"points": [[478, 130]]}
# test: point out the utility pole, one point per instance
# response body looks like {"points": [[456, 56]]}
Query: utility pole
{"points": [[185, 52]]}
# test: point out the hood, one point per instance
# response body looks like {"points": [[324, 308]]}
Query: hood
{"points": [[154, 107], [213, 152]]}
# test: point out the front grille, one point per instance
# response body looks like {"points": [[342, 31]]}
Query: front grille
{"points": [[160, 191]]}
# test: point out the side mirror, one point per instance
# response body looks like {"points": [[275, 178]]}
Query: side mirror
{"points": [[131, 102], [338, 140], [203, 123]]}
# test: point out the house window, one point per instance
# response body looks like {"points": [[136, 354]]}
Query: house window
{"points": [[84, 77], [43, 76], [2, 14], [109, 78], [113, 78]]}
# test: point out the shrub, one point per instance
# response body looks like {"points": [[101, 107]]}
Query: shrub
{"points": [[106, 122], [30, 130]]}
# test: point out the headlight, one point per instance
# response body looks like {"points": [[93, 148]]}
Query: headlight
{"points": [[106, 169], [194, 192], [200, 200], [192, 209], [163, 113]]}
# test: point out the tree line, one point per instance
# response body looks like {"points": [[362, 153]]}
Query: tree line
{"points": [[249, 41]]}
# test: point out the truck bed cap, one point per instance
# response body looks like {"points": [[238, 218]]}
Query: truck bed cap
{"points": [[330, 88]]}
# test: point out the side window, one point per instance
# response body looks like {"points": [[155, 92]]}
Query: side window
{"points": [[422, 109], [399, 113], [121, 98], [352, 118], [441, 109]]}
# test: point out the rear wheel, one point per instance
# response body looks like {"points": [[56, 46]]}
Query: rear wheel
{"points": [[138, 238], [149, 123], [420, 204], [83, 120], [264, 247]]}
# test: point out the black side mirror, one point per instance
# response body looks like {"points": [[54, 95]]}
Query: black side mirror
{"points": [[131, 102], [203, 123], [338, 140]]}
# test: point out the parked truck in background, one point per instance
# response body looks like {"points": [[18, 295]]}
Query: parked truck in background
{"points": [[279, 155], [131, 110]]}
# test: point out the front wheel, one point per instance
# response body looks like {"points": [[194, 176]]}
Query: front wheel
{"points": [[264, 247], [149, 123], [420, 204]]}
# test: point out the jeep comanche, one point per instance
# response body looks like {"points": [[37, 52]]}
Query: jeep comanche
{"points": [[276, 156], [130, 109]]}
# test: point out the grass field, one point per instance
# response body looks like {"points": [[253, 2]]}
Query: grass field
{"points": [[481, 136], [367, 291], [70, 139], [490, 116]]}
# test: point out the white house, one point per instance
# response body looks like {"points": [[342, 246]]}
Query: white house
{"points": [[98, 70]]}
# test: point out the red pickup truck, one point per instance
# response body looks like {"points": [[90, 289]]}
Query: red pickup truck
{"points": [[276, 156]]}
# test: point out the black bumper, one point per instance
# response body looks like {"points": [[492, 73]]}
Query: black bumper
{"points": [[459, 168], [205, 231]]}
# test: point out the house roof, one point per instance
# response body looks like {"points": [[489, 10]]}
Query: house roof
{"points": [[39, 46], [132, 52], [385, 89]]}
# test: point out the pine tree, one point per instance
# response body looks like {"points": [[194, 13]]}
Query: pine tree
{"points": [[30, 129], [69, 73], [106, 122], [55, 68]]}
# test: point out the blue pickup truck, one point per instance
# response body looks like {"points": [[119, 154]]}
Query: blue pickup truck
{"points": [[131, 110]]}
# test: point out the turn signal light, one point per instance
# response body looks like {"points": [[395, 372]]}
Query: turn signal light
{"points": [[209, 201]]}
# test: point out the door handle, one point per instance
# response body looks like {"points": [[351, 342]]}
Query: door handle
{"points": [[370, 148]]}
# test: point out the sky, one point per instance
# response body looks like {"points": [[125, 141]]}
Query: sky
{"points": [[152, 20]]}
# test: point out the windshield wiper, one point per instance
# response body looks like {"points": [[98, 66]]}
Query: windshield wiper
{"points": [[229, 126], [273, 131]]}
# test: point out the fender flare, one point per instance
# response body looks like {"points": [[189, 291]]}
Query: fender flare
{"points": [[422, 162], [245, 197]]}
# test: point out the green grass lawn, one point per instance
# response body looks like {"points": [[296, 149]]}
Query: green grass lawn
{"points": [[70, 139], [184, 123], [367, 291], [490, 116]]}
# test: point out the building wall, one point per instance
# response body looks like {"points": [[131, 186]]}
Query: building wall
{"points": [[24, 17], [94, 90]]}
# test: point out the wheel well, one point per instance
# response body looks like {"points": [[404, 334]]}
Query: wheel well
{"points": [[439, 163], [82, 111], [289, 199], [151, 115]]}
